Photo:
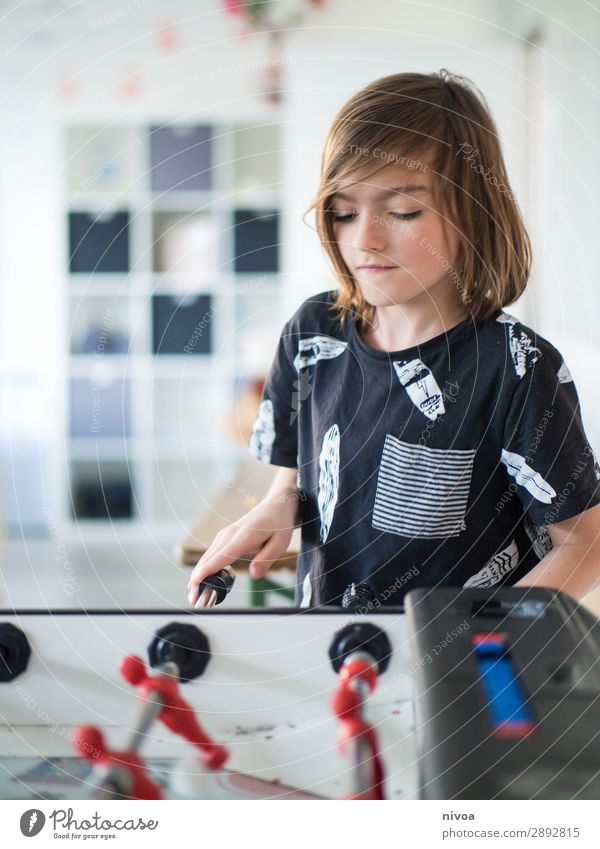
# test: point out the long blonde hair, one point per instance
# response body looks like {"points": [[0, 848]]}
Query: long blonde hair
{"points": [[439, 121]]}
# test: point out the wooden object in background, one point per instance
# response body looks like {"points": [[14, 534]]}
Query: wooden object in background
{"points": [[245, 490]]}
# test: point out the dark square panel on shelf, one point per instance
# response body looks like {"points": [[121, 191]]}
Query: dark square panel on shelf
{"points": [[100, 340], [99, 408], [101, 491], [182, 325], [181, 158], [256, 240], [98, 242]]}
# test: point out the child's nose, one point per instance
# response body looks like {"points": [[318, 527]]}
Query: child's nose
{"points": [[371, 232]]}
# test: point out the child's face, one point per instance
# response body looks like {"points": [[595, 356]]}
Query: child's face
{"points": [[401, 230]]}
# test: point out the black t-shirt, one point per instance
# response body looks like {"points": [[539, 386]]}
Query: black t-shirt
{"points": [[441, 464]]}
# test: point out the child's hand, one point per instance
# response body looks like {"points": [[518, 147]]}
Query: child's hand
{"points": [[264, 532]]}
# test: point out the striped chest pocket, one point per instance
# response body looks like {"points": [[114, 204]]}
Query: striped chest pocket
{"points": [[421, 491]]}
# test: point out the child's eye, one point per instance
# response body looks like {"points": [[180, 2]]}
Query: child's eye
{"points": [[345, 217], [407, 216], [403, 216]]}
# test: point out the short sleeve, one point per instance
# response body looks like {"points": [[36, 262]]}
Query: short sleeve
{"points": [[274, 437], [548, 459]]}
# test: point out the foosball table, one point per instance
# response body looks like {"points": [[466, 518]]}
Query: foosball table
{"points": [[211, 704], [459, 694]]}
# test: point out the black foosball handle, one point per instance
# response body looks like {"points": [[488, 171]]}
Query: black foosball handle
{"points": [[215, 588]]}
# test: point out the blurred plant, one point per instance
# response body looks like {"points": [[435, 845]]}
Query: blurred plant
{"points": [[270, 14], [272, 17]]}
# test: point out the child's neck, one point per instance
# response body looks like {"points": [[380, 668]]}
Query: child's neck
{"points": [[396, 327]]}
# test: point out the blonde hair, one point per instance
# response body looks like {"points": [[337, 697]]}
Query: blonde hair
{"points": [[438, 121]]}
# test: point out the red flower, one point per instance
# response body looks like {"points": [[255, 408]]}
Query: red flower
{"points": [[234, 7]]}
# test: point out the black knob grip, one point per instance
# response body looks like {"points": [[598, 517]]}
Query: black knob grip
{"points": [[217, 586], [14, 652], [360, 637], [359, 596], [182, 644]]}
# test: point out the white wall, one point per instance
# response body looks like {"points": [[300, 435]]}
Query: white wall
{"points": [[567, 292]]}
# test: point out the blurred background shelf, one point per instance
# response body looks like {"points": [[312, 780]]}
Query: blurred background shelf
{"points": [[172, 275]]}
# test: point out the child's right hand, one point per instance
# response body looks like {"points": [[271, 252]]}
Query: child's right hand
{"points": [[264, 532]]}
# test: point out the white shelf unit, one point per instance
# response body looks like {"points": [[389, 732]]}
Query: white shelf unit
{"points": [[173, 296]]}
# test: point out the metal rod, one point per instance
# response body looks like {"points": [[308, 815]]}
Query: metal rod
{"points": [[151, 709], [362, 778]]}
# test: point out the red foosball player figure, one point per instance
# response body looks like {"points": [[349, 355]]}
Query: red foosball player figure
{"points": [[358, 676], [124, 771], [177, 714]]}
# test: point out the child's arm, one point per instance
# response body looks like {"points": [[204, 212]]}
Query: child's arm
{"points": [[573, 564], [264, 531], [553, 468]]}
